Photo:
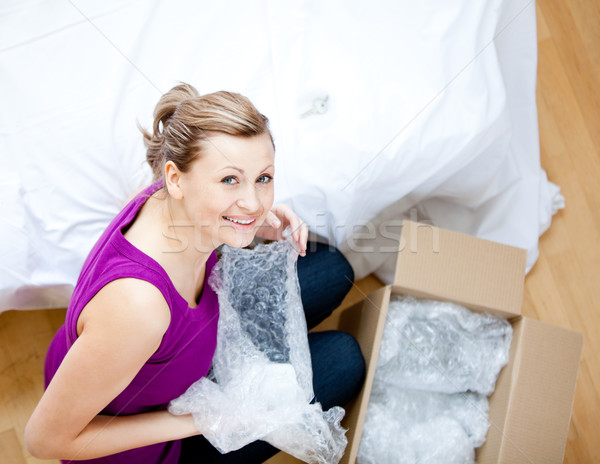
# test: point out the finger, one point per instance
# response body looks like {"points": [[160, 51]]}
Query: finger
{"points": [[289, 217], [300, 235], [297, 226], [299, 230], [303, 239], [273, 220]]}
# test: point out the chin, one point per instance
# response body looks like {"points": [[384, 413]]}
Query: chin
{"points": [[239, 241]]}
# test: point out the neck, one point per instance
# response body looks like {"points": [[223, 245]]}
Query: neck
{"points": [[182, 243]]}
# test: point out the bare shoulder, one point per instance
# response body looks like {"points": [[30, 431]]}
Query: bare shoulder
{"points": [[127, 305]]}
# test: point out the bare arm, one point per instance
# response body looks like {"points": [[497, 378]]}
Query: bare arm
{"points": [[120, 329]]}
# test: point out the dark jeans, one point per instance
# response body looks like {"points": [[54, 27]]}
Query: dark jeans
{"points": [[338, 365]]}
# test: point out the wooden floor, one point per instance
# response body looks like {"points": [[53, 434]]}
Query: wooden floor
{"points": [[563, 288]]}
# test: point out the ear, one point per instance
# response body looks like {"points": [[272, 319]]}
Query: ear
{"points": [[173, 180]]}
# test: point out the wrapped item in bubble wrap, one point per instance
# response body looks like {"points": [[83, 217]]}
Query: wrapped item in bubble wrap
{"points": [[261, 381], [442, 347], [414, 426]]}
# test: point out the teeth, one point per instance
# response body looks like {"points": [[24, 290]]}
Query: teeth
{"points": [[239, 221]]}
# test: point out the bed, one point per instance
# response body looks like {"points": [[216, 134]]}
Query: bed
{"points": [[380, 111]]}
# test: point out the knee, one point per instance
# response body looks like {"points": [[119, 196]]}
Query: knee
{"points": [[340, 274], [338, 277], [338, 367], [353, 366], [325, 277]]}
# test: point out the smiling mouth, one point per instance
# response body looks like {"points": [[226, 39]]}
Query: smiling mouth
{"points": [[243, 222]]}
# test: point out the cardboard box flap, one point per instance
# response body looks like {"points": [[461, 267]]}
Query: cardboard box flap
{"points": [[366, 322], [530, 410], [445, 265]]}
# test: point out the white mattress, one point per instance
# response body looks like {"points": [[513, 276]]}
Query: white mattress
{"points": [[430, 113]]}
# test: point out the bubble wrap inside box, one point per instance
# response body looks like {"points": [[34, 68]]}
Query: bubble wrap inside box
{"points": [[261, 385], [437, 363], [443, 347]]}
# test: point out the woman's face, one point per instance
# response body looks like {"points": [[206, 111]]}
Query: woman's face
{"points": [[229, 190]]}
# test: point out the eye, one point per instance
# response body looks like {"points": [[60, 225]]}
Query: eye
{"points": [[264, 179], [229, 180]]}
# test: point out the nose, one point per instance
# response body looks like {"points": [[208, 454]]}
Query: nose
{"points": [[249, 200]]}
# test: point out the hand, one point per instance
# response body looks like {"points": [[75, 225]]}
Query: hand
{"points": [[280, 217]]}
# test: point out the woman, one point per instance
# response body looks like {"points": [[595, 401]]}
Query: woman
{"points": [[141, 325]]}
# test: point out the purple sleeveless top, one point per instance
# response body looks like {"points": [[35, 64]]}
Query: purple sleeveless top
{"points": [[187, 348]]}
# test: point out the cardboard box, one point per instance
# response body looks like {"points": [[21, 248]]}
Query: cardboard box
{"points": [[530, 409]]}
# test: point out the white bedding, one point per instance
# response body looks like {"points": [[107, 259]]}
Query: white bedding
{"points": [[430, 113]]}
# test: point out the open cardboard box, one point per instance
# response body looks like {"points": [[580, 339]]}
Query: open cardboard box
{"points": [[530, 409]]}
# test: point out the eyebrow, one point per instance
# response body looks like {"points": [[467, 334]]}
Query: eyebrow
{"points": [[232, 167], [241, 171]]}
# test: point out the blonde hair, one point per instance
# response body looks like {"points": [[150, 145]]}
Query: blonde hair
{"points": [[183, 117]]}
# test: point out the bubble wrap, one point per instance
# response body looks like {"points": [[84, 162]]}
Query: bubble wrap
{"points": [[437, 364], [443, 347], [413, 426], [261, 381]]}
